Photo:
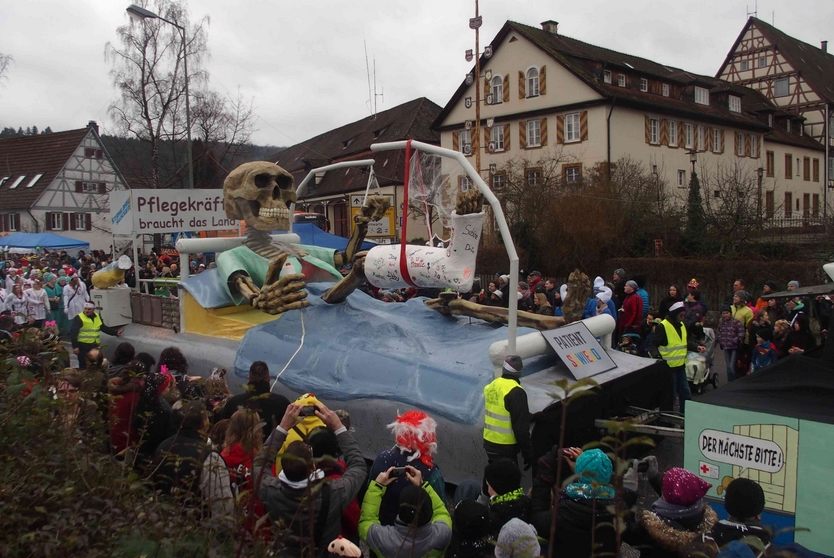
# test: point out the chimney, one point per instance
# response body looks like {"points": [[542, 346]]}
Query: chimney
{"points": [[93, 124], [550, 26], [824, 46]]}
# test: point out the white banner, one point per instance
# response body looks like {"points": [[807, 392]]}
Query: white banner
{"points": [[167, 211]]}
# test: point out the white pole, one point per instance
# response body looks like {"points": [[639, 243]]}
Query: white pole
{"points": [[497, 211]]}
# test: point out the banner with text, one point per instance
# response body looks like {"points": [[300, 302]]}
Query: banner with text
{"points": [[579, 350], [168, 211]]}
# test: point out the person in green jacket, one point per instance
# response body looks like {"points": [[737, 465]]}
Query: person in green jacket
{"points": [[423, 526]]}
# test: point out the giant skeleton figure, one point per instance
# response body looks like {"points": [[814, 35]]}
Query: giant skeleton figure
{"points": [[272, 275]]}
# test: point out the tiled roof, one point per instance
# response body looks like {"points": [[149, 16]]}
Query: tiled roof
{"points": [[32, 155], [411, 120], [812, 63]]}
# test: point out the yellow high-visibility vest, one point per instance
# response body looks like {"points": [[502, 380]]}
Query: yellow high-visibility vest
{"points": [[674, 352], [498, 427], [90, 332]]}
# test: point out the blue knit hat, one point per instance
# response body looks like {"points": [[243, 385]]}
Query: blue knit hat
{"points": [[594, 466]]}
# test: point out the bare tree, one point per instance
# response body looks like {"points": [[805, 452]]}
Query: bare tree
{"points": [[148, 70], [5, 61], [730, 208], [225, 122]]}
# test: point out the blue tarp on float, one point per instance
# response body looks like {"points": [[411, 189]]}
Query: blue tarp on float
{"points": [[314, 236]]}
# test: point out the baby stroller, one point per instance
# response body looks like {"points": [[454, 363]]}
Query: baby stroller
{"points": [[698, 366]]}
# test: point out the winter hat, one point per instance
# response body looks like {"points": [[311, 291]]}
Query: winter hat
{"points": [[682, 488], [343, 547], [89, 305], [503, 475], [604, 294], [47, 277], [414, 507], [675, 307], [471, 520], [620, 272], [771, 285], [594, 466], [693, 283], [793, 284], [563, 292], [512, 365], [633, 284], [599, 283], [535, 273], [765, 333], [744, 499], [517, 539], [414, 432]]}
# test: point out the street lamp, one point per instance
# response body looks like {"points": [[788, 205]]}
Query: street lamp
{"points": [[693, 158], [141, 14]]}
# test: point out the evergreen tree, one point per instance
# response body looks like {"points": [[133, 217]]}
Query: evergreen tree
{"points": [[20, 131], [696, 228], [34, 130], [47, 130]]}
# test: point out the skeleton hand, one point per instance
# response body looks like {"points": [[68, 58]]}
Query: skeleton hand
{"points": [[373, 210], [277, 295], [468, 202]]}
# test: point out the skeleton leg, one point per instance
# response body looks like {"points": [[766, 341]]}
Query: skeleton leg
{"points": [[493, 314], [349, 283]]}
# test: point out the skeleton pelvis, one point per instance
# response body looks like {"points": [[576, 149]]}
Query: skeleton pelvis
{"points": [[451, 267]]}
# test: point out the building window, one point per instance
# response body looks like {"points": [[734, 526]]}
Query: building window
{"points": [[681, 178], [606, 76], [4, 179], [533, 82], [79, 221], [572, 174], [10, 222], [534, 176], [673, 133], [740, 144], [788, 165], [497, 89], [717, 145], [701, 143], [770, 204], [17, 182], [769, 163], [499, 180], [788, 205], [762, 61], [644, 84], [816, 170], [572, 131], [534, 133], [55, 221], [89, 152], [34, 180], [654, 131], [754, 146], [621, 81], [701, 95], [744, 65], [464, 183], [781, 87], [806, 168], [687, 135], [735, 103], [815, 211], [496, 137], [665, 89], [466, 143]]}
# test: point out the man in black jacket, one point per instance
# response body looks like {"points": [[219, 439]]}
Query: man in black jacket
{"points": [[85, 332], [270, 406], [507, 415]]}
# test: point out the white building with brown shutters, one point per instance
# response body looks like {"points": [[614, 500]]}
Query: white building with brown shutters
{"points": [[549, 97], [58, 182]]}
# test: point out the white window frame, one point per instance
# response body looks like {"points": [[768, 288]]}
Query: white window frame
{"points": [[34, 180], [644, 85], [534, 133], [739, 144], [754, 146], [665, 89], [573, 133], [734, 103], [496, 136], [702, 95], [499, 180], [701, 143], [75, 224], [532, 79], [654, 131], [777, 82], [464, 138], [606, 76], [573, 174], [533, 172], [743, 65], [464, 183], [761, 62], [621, 80], [56, 221], [89, 187], [673, 133], [681, 178], [716, 140], [688, 135], [496, 87]]}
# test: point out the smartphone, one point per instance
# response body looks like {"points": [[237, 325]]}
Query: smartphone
{"points": [[307, 411], [397, 472]]}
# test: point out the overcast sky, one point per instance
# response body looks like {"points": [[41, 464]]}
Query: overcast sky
{"points": [[302, 63]]}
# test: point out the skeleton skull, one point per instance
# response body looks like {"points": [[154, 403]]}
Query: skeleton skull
{"points": [[259, 193]]}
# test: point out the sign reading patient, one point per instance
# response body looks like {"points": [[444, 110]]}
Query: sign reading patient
{"points": [[579, 350]]}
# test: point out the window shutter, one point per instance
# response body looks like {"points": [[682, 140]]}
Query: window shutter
{"points": [[506, 88], [65, 221], [542, 81], [664, 135], [522, 84], [708, 139], [48, 221], [455, 141], [722, 142], [522, 134], [88, 222], [583, 125], [560, 128], [4, 222], [487, 135], [79, 186], [475, 141], [648, 128], [102, 187], [486, 88], [747, 145], [507, 137], [543, 127]]}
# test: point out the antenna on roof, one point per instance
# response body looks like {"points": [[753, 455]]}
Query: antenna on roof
{"points": [[755, 12], [382, 94], [372, 94]]}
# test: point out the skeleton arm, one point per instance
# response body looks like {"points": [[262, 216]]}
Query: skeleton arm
{"points": [[373, 211], [277, 295]]}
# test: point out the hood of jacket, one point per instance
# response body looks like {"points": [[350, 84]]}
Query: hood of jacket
{"points": [[671, 535]]}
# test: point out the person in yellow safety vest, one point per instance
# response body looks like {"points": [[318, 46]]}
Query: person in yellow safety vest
{"points": [[672, 343], [507, 416], [85, 332]]}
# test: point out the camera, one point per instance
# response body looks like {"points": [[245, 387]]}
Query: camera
{"points": [[307, 411], [397, 472]]}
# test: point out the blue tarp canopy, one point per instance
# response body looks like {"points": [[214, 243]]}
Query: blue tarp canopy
{"points": [[314, 236], [27, 242]]}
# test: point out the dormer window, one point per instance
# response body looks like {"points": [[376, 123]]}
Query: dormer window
{"points": [[606, 76], [735, 103], [644, 84], [621, 81], [665, 89], [701, 95]]}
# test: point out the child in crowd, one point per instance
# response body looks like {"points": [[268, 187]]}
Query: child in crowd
{"points": [[730, 337], [764, 353], [745, 502]]}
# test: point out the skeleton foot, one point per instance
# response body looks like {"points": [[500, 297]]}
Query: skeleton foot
{"points": [[470, 201], [493, 314], [349, 283]]}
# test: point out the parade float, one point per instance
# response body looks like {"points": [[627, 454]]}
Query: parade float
{"points": [[270, 298]]}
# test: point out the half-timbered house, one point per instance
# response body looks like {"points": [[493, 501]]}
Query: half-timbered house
{"points": [[792, 74], [58, 182]]}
